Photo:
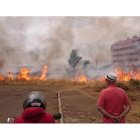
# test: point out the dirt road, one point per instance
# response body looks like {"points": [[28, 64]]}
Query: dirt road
{"points": [[79, 108], [12, 97], [76, 107]]}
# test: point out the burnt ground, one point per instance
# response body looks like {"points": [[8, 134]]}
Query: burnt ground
{"points": [[76, 107]]}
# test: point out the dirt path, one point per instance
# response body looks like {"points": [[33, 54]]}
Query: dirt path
{"points": [[76, 107], [12, 97], [79, 108]]}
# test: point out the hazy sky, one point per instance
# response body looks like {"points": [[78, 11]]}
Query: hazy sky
{"points": [[49, 40]]}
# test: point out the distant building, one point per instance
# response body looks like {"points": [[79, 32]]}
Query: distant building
{"points": [[126, 53]]}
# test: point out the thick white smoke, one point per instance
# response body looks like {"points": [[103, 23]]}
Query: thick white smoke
{"points": [[36, 41]]}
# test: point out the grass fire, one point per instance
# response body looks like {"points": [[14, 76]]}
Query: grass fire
{"points": [[81, 80], [25, 75], [92, 87]]}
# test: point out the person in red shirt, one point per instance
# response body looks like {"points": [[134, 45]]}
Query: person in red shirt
{"points": [[34, 110], [112, 101]]}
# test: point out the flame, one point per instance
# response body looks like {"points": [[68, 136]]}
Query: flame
{"points": [[76, 77], [35, 77], [81, 78], [24, 74], [101, 79], [2, 78], [90, 81], [10, 76], [135, 75], [43, 75], [123, 76]]}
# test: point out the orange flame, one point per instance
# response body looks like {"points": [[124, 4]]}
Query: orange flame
{"points": [[24, 74], [2, 78], [135, 75], [81, 78], [76, 77], [123, 76], [102, 79], [43, 75], [90, 81]]}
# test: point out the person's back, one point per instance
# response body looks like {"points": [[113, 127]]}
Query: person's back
{"points": [[112, 101], [34, 110], [34, 115]]}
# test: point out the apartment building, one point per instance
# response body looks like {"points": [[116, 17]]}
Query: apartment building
{"points": [[126, 53]]}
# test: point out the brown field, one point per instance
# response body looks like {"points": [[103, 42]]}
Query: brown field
{"points": [[92, 89]]}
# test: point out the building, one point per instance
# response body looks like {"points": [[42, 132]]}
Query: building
{"points": [[126, 53]]}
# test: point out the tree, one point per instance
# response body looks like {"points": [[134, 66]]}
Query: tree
{"points": [[86, 63], [74, 58]]}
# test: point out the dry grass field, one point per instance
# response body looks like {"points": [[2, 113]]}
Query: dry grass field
{"points": [[93, 89]]}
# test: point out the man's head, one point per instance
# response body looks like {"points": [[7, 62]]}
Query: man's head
{"points": [[111, 78]]}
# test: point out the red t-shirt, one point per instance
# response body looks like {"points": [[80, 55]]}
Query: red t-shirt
{"points": [[113, 100]]}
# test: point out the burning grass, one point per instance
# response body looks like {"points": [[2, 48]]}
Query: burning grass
{"points": [[130, 82], [25, 75]]}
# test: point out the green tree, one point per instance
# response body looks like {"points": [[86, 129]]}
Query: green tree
{"points": [[86, 63], [74, 58]]}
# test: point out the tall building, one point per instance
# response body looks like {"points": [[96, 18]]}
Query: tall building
{"points": [[126, 53]]}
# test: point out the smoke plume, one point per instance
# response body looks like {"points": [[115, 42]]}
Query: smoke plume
{"points": [[36, 41]]}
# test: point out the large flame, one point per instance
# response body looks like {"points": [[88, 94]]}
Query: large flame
{"points": [[81, 78], [121, 76], [135, 75], [24, 74], [43, 75]]}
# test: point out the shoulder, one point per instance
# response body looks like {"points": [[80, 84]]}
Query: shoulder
{"points": [[121, 89], [104, 90], [49, 117]]}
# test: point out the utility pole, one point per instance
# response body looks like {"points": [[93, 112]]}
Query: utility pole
{"points": [[96, 62]]}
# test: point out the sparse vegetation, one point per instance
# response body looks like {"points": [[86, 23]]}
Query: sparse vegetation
{"points": [[134, 82]]}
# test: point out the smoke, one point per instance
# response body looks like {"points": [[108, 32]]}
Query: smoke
{"points": [[36, 41]]}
